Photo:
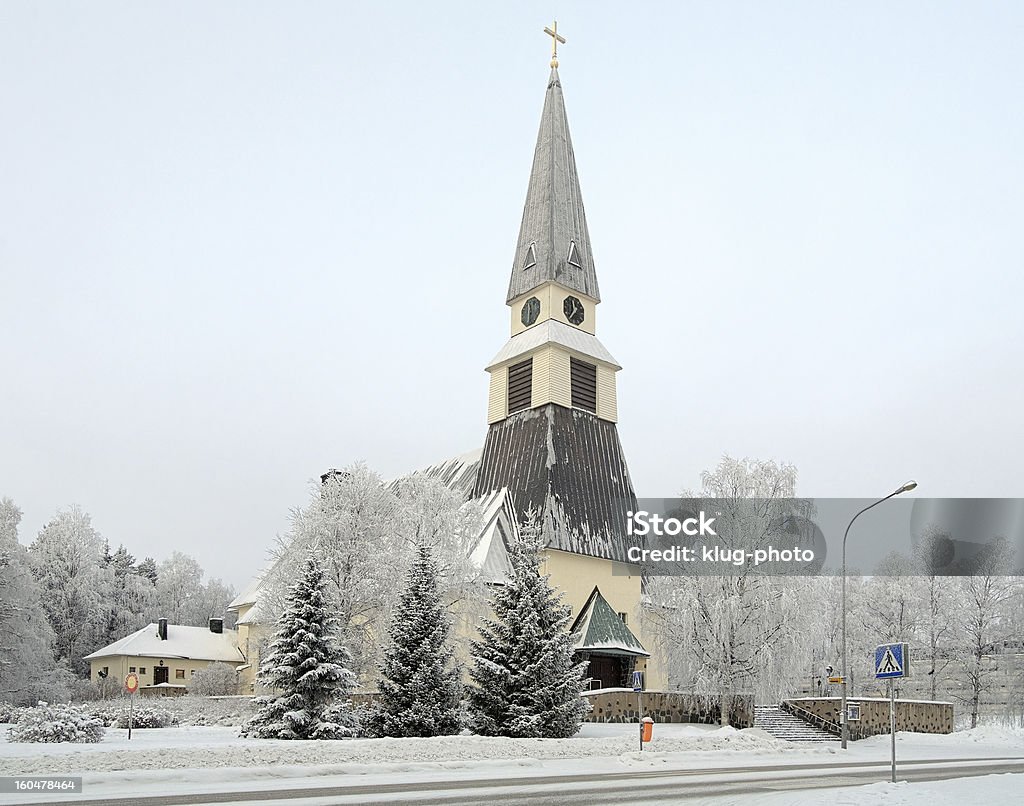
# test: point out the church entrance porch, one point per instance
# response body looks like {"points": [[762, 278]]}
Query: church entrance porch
{"points": [[608, 671], [600, 637]]}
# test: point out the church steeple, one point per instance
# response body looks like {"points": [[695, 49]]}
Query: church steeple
{"points": [[554, 244], [551, 438]]}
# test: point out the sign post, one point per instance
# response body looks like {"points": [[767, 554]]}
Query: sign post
{"points": [[131, 684], [892, 663], [638, 687]]}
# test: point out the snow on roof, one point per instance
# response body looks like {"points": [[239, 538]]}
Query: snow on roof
{"points": [[554, 332], [249, 594], [182, 642], [497, 524], [457, 473], [599, 629]]}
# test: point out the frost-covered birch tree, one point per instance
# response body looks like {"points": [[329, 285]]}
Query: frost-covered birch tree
{"points": [[367, 531], [936, 608], [182, 597], [985, 601], [76, 583], [736, 631], [27, 669]]}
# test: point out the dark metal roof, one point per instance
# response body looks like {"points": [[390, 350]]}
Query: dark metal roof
{"points": [[554, 224], [568, 466]]}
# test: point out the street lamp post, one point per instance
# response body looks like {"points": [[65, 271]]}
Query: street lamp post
{"points": [[906, 488]]}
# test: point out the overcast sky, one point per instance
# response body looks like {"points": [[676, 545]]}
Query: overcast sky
{"points": [[241, 243]]}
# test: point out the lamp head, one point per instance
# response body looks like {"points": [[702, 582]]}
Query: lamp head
{"points": [[906, 488]]}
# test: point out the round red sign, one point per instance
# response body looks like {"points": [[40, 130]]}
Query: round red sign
{"points": [[131, 682]]}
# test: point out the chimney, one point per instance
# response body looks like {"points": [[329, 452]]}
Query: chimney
{"points": [[217, 625], [161, 629]]}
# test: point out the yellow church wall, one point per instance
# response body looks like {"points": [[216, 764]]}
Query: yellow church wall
{"points": [[248, 643], [551, 297], [575, 576], [607, 404], [497, 400]]}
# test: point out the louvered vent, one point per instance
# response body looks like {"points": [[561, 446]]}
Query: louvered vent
{"points": [[583, 385], [520, 385]]}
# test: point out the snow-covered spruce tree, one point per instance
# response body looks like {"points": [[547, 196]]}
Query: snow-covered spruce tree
{"points": [[527, 683], [420, 689], [307, 667]]}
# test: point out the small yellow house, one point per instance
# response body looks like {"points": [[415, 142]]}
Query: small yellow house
{"points": [[166, 656]]}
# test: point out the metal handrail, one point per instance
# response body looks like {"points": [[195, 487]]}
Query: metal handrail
{"points": [[809, 716]]}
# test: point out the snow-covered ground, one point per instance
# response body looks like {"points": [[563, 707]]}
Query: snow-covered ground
{"points": [[217, 759], [203, 747], [991, 790]]}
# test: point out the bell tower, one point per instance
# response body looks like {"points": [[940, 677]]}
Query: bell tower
{"points": [[552, 439]]}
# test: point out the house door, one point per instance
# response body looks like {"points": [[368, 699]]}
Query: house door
{"points": [[160, 674]]}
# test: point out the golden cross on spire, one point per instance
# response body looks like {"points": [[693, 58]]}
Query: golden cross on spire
{"points": [[555, 39]]}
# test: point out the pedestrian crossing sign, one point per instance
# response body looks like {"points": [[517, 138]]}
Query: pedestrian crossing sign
{"points": [[892, 661]]}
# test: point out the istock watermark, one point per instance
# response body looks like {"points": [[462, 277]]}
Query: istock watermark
{"points": [[803, 536]]}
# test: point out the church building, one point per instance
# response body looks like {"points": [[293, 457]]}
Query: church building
{"points": [[552, 447]]}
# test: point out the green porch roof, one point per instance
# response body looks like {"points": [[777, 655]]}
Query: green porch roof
{"points": [[599, 629]]}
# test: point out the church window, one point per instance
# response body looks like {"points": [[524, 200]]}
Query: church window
{"points": [[583, 385], [142, 670], [179, 674], [520, 385], [531, 257], [573, 256], [131, 668], [624, 618]]}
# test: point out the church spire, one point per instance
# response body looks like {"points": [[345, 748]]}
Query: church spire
{"points": [[554, 244]]}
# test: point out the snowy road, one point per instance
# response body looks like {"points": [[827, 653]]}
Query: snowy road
{"points": [[732, 784]]}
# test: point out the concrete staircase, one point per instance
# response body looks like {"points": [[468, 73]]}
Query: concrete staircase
{"points": [[783, 725]]}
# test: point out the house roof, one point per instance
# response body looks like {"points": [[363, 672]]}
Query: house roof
{"points": [[599, 629], [554, 243], [195, 643]]}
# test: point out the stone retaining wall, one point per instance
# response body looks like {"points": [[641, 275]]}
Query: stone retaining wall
{"points": [[620, 705], [916, 716]]}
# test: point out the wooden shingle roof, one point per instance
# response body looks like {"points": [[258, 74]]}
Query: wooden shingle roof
{"points": [[554, 243]]}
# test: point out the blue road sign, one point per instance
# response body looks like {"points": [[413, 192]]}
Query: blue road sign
{"points": [[892, 661], [638, 681]]}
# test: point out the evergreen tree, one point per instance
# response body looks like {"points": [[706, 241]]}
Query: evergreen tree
{"points": [[420, 689], [307, 667], [527, 684]]}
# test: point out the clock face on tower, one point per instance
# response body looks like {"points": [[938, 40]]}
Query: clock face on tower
{"points": [[573, 310], [531, 310]]}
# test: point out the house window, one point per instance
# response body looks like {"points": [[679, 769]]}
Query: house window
{"points": [[192, 673], [583, 385], [623, 617], [142, 670], [520, 385], [131, 668], [179, 674]]}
